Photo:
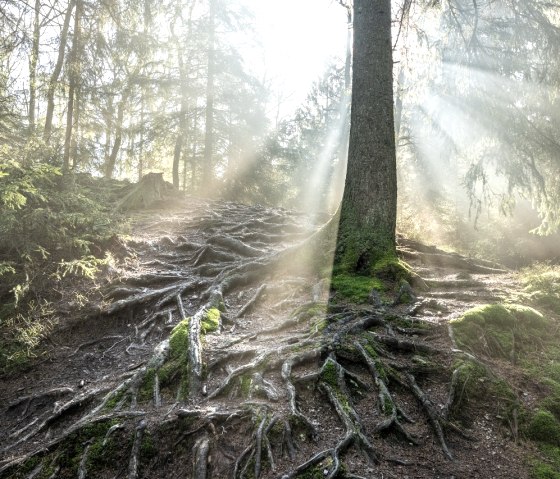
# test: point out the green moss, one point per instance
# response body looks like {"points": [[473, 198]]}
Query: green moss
{"points": [[548, 466], [388, 406], [544, 427], [361, 244], [552, 402], [311, 310], [329, 374], [317, 472], [178, 340], [30, 464], [542, 282], [211, 321], [472, 385], [370, 350], [475, 384], [99, 456], [391, 268], [544, 471], [146, 390], [148, 447], [497, 330], [354, 288], [114, 401], [424, 366], [178, 361], [319, 325], [245, 384]]}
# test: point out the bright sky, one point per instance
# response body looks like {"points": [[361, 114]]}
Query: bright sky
{"points": [[299, 38]]}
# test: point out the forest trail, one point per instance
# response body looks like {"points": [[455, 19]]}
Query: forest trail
{"points": [[274, 382]]}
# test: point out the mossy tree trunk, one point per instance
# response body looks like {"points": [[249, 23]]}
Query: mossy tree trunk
{"points": [[369, 205]]}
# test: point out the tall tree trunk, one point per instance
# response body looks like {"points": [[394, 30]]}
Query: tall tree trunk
{"points": [[208, 166], [194, 151], [399, 105], [179, 144], [339, 172], [141, 145], [147, 20], [75, 149], [369, 205], [73, 73], [108, 129], [183, 80], [112, 160], [34, 58], [53, 81]]}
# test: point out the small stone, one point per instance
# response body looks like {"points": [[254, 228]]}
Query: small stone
{"points": [[325, 472]]}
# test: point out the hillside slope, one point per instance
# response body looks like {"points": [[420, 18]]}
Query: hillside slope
{"points": [[215, 352]]}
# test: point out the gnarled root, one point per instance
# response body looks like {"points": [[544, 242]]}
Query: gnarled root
{"points": [[333, 384], [387, 405], [201, 452]]}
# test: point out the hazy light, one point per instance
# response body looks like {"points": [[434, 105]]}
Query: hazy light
{"points": [[299, 39]]}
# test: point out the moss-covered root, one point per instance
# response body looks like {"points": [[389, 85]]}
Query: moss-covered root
{"points": [[327, 463], [252, 455], [195, 353], [388, 408]]}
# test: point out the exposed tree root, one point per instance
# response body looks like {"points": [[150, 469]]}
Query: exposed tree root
{"points": [[82, 471], [195, 354], [434, 417], [135, 452], [387, 405], [91, 343], [67, 433], [201, 451], [294, 410], [55, 392], [251, 303], [295, 350]]}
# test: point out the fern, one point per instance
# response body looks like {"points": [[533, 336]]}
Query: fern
{"points": [[86, 266]]}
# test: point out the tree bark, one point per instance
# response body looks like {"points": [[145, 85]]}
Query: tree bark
{"points": [[369, 205], [53, 81]]}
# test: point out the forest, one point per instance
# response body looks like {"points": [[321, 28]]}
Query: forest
{"points": [[244, 239]]}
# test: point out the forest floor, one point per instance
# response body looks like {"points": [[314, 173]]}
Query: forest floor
{"points": [[272, 375]]}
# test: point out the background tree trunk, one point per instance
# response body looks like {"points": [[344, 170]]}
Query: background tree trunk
{"points": [[207, 169], [56, 72], [33, 66], [73, 74], [369, 205], [112, 159]]}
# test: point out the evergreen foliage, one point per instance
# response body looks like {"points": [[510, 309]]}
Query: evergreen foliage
{"points": [[49, 231]]}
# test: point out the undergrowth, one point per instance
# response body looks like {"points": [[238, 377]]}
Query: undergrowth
{"points": [[52, 227], [542, 283], [524, 336]]}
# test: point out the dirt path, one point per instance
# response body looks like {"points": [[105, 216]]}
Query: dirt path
{"points": [[286, 386]]}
